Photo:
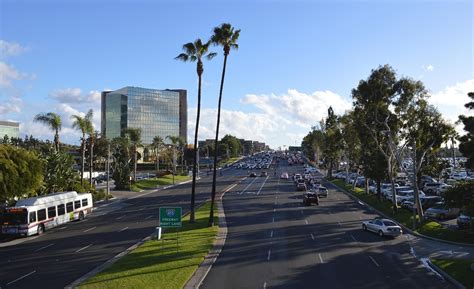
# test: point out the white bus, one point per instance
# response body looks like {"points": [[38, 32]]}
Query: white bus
{"points": [[35, 215]]}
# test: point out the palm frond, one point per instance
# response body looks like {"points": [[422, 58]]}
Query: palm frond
{"points": [[189, 48], [183, 57], [211, 55]]}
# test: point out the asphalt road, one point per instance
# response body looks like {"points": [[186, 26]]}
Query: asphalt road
{"points": [[274, 241], [66, 253]]}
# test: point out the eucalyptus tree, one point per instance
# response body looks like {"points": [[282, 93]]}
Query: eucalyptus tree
{"points": [[350, 142], [466, 145], [225, 36], [80, 123], [332, 141], [157, 146], [135, 136], [53, 121]]}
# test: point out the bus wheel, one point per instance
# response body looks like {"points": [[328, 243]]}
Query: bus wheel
{"points": [[40, 229], [81, 216]]}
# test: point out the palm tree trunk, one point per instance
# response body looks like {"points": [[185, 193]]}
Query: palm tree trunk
{"points": [[214, 175], [56, 140], [193, 188], [83, 160], [91, 156]]}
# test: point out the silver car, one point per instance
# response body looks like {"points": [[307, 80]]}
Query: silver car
{"points": [[442, 212], [383, 227]]}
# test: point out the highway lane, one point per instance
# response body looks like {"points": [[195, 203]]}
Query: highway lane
{"points": [[275, 242], [66, 253]]}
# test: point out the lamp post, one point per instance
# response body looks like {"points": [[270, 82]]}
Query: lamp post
{"points": [[108, 172]]}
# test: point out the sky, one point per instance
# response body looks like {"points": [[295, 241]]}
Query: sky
{"points": [[295, 58]]}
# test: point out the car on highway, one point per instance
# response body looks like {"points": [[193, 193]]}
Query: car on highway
{"points": [[264, 174], [301, 187], [253, 175], [464, 221], [383, 227], [284, 176], [322, 191], [441, 211], [310, 198]]}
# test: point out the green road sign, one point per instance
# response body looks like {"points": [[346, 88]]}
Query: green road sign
{"points": [[170, 217]]}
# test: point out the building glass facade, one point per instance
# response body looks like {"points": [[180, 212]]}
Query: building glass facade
{"points": [[156, 112], [10, 129]]}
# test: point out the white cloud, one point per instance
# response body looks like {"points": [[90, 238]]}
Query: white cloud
{"points": [[13, 105], [428, 67], [451, 100], [8, 74], [283, 119], [8, 49], [75, 96]]}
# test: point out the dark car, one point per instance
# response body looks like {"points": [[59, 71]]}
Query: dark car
{"points": [[301, 187], [253, 175], [310, 198], [263, 174], [464, 221]]}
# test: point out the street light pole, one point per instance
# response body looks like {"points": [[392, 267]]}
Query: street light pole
{"points": [[108, 172]]}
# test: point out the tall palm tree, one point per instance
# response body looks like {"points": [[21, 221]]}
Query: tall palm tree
{"points": [[195, 51], [80, 123], [135, 135], [157, 145], [175, 143], [53, 121], [90, 131], [226, 37]]}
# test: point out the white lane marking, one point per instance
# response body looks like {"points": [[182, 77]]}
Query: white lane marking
{"points": [[273, 221], [312, 236], [264, 285], [271, 234], [83, 248], [302, 212], [274, 210], [24, 276], [62, 228], [321, 258], [90, 229], [118, 218], [241, 192], [262, 186], [269, 253], [361, 203], [353, 238], [306, 221], [43, 247], [151, 216], [376, 264], [123, 229]]}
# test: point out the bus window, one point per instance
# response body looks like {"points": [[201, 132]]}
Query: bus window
{"points": [[77, 204], [32, 217], [14, 217], [51, 212], [61, 210], [84, 202], [42, 215], [69, 207]]}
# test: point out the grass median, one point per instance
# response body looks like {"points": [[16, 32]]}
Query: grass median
{"points": [[427, 227], [459, 269], [154, 182], [157, 264]]}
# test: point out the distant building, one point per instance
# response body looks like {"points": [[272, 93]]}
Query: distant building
{"points": [[10, 129], [156, 112]]}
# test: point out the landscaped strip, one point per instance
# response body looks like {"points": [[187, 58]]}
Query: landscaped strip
{"points": [[157, 264], [404, 217], [161, 181], [459, 269]]}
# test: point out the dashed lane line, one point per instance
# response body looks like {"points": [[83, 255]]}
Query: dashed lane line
{"points": [[90, 229], [312, 236], [271, 234], [123, 229], [83, 248], [321, 258], [47, 246], [269, 254], [22, 277], [375, 262]]}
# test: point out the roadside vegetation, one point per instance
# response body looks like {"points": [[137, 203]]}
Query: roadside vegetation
{"points": [[426, 227], [154, 182], [459, 269], [157, 264]]}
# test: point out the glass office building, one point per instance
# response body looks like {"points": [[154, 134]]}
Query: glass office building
{"points": [[10, 129], [156, 112]]}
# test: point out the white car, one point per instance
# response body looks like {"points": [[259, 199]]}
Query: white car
{"points": [[383, 227]]}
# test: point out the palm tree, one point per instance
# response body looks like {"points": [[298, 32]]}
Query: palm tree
{"points": [[226, 37], [135, 135], [90, 131], [157, 144], [195, 51], [80, 123], [52, 120], [176, 141]]}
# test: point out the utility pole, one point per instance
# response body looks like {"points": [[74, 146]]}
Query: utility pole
{"points": [[108, 172]]}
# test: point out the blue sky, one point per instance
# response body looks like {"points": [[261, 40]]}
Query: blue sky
{"points": [[295, 58]]}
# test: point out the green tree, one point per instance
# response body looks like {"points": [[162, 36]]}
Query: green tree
{"points": [[313, 143], [59, 174], [332, 141], [53, 121], [82, 124], [120, 151], [233, 144], [135, 136], [466, 145], [21, 173], [158, 145], [226, 37]]}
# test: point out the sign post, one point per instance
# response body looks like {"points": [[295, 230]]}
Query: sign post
{"points": [[170, 217]]}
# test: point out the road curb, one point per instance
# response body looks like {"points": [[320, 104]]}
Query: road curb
{"points": [[401, 225], [445, 275]]}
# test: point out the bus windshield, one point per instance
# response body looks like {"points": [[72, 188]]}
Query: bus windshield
{"points": [[17, 217]]}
